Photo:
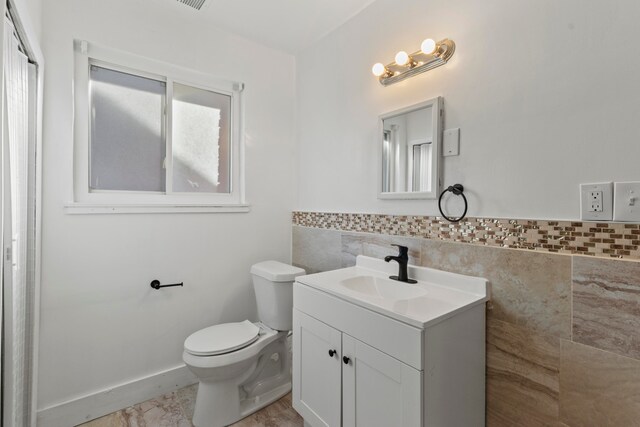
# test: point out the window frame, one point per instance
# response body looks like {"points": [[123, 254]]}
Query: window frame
{"points": [[86, 200]]}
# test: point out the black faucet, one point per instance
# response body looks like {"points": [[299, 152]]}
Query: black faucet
{"points": [[402, 259]]}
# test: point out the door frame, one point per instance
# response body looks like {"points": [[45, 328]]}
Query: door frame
{"points": [[26, 30]]}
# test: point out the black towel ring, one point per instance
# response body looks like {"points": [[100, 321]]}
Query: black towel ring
{"points": [[458, 190]]}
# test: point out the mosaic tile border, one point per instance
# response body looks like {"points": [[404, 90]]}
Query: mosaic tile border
{"points": [[600, 239]]}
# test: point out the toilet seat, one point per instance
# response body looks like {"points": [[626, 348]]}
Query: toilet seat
{"points": [[221, 339]]}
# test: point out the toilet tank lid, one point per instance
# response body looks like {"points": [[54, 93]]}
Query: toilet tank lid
{"points": [[276, 271]]}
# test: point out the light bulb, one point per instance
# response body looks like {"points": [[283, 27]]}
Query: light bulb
{"points": [[402, 58], [428, 46], [378, 69]]}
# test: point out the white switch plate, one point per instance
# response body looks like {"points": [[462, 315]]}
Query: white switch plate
{"points": [[626, 204], [596, 201], [451, 142]]}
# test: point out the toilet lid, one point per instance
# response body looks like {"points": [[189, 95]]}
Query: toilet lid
{"points": [[219, 339]]}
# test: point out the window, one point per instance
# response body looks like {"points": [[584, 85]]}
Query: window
{"points": [[200, 140], [152, 137], [128, 145]]}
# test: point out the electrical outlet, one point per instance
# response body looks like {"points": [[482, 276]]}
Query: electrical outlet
{"points": [[595, 204], [596, 201]]}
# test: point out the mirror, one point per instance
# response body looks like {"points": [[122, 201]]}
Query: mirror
{"points": [[411, 151]]}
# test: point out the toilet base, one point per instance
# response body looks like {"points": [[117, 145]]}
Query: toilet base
{"points": [[249, 406], [207, 415], [263, 380]]}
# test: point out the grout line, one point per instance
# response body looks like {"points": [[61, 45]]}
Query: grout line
{"points": [[571, 301]]}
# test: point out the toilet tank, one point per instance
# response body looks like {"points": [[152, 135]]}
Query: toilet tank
{"points": [[273, 284]]}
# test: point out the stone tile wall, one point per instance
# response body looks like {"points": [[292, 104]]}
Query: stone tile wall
{"points": [[563, 335], [615, 240]]}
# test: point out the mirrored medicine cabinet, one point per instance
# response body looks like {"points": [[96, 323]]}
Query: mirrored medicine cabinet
{"points": [[410, 151]]}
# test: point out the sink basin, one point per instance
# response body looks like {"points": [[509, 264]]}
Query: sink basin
{"points": [[436, 295], [382, 288]]}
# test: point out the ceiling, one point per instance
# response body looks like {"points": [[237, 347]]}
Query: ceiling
{"points": [[288, 25]]}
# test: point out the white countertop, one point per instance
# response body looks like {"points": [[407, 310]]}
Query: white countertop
{"points": [[442, 294]]}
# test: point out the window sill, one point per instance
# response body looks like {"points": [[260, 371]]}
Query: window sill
{"points": [[78, 208]]}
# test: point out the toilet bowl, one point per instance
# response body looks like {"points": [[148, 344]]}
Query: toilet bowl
{"points": [[244, 366]]}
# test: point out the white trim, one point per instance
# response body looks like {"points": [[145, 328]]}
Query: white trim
{"points": [[26, 29], [103, 402], [38, 242], [86, 53], [80, 208], [136, 63], [407, 195], [168, 137], [126, 70]]}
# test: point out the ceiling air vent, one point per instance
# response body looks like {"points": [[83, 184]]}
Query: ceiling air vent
{"points": [[196, 4]]}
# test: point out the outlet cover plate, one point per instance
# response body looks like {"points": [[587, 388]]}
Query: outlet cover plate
{"points": [[626, 205], [601, 213], [451, 142]]}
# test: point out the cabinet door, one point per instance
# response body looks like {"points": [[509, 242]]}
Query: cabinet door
{"points": [[316, 372], [378, 390]]}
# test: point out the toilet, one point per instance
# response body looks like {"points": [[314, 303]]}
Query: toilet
{"points": [[244, 366]]}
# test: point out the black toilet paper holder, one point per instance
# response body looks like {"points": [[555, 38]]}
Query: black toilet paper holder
{"points": [[155, 284]]}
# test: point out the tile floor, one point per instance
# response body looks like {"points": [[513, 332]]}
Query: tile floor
{"points": [[176, 410]]}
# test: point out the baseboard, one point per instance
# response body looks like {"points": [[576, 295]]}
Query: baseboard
{"points": [[95, 405]]}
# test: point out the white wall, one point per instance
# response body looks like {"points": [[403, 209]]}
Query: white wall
{"points": [[546, 94], [101, 323]]}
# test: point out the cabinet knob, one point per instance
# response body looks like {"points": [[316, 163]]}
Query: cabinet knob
{"points": [[346, 360], [332, 353]]}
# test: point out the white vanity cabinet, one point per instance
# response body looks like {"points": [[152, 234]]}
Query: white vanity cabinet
{"points": [[359, 362], [318, 390], [343, 381]]}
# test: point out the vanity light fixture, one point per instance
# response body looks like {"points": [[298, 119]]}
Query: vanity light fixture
{"points": [[430, 55]]}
